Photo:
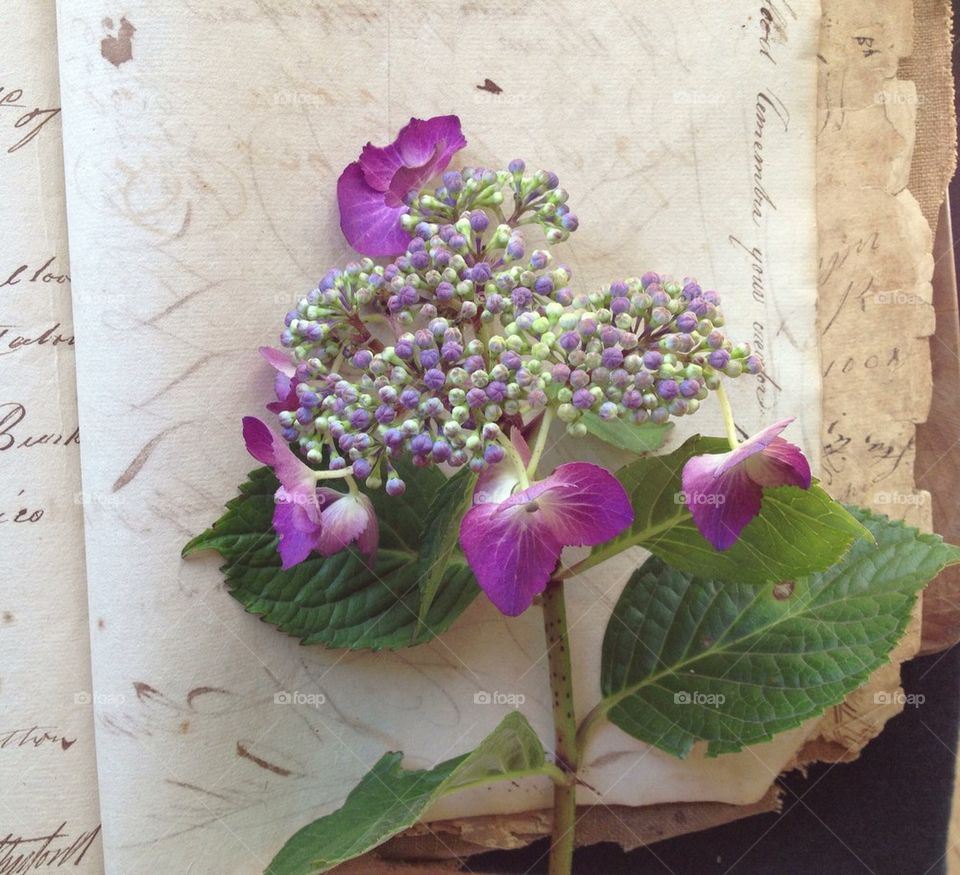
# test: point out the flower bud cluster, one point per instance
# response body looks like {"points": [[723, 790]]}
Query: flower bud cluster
{"points": [[440, 352]]}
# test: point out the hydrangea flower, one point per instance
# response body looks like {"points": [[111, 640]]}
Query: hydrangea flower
{"points": [[724, 491], [372, 191], [307, 518], [513, 539]]}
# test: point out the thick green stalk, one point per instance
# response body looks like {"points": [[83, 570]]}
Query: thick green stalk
{"points": [[565, 728]]}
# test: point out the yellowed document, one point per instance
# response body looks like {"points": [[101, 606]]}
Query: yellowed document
{"points": [[203, 145]]}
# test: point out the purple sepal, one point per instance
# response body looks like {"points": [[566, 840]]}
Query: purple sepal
{"points": [[371, 191], [513, 546], [724, 491]]}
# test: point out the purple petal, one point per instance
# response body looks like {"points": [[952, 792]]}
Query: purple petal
{"points": [[497, 482], [369, 539], [259, 440], [721, 504], [750, 447], [270, 449], [422, 149], [378, 165], [279, 360], [287, 398], [780, 464], [510, 554], [419, 139], [514, 546], [724, 491], [371, 226], [298, 533], [344, 519], [580, 503]]}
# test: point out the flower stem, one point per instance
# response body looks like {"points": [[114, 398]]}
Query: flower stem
{"points": [[728, 417], [517, 461], [565, 727], [332, 475], [540, 442]]}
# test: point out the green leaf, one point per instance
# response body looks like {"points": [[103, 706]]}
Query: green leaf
{"points": [[797, 532], [339, 601], [687, 659], [441, 533], [390, 799], [627, 436]]}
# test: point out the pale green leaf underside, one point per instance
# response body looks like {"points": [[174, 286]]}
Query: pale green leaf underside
{"points": [[687, 659], [390, 799], [644, 438]]}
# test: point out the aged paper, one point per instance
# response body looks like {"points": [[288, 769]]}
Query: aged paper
{"points": [[876, 311], [202, 204], [49, 816]]}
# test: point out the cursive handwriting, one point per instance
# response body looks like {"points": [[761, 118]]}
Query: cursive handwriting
{"points": [[11, 343], [755, 257], [25, 273], [765, 103], [33, 737], [773, 27], [33, 853], [31, 122], [23, 514], [12, 414]]}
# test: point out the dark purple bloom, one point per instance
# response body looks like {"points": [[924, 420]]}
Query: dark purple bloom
{"points": [[371, 191], [307, 518], [513, 541], [724, 490]]}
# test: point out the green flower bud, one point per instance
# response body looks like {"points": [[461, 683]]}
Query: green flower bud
{"points": [[460, 414], [554, 311], [540, 325], [568, 413], [540, 350]]}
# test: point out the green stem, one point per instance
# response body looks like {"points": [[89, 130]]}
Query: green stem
{"points": [[728, 417], [521, 469], [540, 442], [333, 475], [565, 727]]}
